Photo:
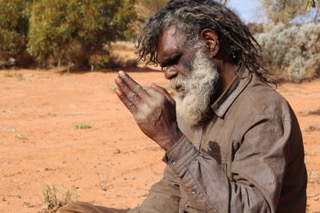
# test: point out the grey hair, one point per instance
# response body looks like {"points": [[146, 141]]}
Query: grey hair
{"points": [[193, 16]]}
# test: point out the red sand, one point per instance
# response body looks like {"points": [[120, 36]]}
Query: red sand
{"points": [[111, 164]]}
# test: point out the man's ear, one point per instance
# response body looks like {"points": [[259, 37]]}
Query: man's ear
{"points": [[210, 38]]}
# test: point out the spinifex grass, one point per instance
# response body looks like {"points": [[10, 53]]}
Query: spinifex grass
{"points": [[82, 126]]}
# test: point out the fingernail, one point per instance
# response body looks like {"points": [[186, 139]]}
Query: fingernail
{"points": [[118, 92], [121, 73], [117, 79]]}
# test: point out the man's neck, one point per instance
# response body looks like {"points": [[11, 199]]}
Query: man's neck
{"points": [[228, 72]]}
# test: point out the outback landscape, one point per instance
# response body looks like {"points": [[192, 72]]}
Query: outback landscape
{"points": [[69, 132], [65, 136]]}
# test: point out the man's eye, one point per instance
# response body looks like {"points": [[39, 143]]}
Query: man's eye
{"points": [[171, 61]]}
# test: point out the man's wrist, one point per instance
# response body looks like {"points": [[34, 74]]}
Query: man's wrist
{"points": [[171, 142]]}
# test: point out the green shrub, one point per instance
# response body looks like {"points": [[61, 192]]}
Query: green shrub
{"points": [[72, 31], [291, 53], [13, 30]]}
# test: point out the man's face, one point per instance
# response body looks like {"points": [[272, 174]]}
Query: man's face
{"points": [[192, 75]]}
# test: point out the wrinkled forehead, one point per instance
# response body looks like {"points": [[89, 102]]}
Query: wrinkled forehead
{"points": [[172, 40]]}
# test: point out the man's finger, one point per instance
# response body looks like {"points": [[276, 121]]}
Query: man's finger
{"points": [[164, 92], [131, 106], [123, 87], [132, 84]]}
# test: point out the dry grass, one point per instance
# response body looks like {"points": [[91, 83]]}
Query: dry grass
{"points": [[311, 112], [52, 200], [314, 128]]}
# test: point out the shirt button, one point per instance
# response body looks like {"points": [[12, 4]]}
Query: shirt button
{"points": [[173, 162], [194, 191]]}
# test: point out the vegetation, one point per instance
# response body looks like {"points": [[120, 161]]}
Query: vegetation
{"points": [[16, 75], [314, 128], [291, 53], [53, 201], [62, 32], [13, 31], [82, 126], [285, 11], [314, 112], [19, 137], [72, 31], [81, 34]]}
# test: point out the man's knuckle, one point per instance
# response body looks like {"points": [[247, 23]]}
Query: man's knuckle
{"points": [[137, 88], [133, 96]]}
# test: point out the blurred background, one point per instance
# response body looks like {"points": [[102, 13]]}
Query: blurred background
{"points": [[91, 34]]}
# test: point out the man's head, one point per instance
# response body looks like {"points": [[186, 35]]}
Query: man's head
{"points": [[191, 17], [187, 38]]}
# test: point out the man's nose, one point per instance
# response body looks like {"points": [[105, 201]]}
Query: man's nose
{"points": [[170, 72]]}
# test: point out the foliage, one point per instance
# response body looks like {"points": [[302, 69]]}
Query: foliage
{"points": [[71, 31], [19, 137], [291, 53], [288, 10], [13, 28], [146, 8], [53, 201], [82, 126], [314, 112]]}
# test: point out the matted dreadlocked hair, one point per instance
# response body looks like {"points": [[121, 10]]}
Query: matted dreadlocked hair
{"points": [[193, 16]]}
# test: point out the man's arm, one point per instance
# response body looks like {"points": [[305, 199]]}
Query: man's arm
{"points": [[163, 196], [257, 169], [258, 166]]}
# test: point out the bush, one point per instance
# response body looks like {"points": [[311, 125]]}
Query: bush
{"points": [[291, 53], [71, 31], [13, 31]]}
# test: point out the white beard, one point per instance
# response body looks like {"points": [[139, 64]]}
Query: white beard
{"points": [[194, 101]]}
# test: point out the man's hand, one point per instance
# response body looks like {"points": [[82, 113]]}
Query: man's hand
{"points": [[153, 109]]}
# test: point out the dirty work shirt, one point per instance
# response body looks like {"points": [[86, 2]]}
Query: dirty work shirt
{"points": [[248, 158]]}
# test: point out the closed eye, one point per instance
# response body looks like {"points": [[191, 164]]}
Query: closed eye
{"points": [[172, 60]]}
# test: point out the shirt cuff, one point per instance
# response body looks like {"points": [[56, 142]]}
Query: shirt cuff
{"points": [[179, 156]]}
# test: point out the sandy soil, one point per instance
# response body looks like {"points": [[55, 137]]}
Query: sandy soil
{"points": [[112, 163]]}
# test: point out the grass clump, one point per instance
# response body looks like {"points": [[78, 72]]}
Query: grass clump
{"points": [[314, 128], [311, 112], [20, 77], [19, 137], [52, 201], [82, 126], [315, 112], [51, 114], [8, 75]]}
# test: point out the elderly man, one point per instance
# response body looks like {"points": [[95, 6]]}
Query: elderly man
{"points": [[232, 143]]}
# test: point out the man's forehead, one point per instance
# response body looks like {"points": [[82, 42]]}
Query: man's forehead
{"points": [[171, 34], [171, 41]]}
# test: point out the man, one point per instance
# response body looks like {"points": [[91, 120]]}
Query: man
{"points": [[236, 145]]}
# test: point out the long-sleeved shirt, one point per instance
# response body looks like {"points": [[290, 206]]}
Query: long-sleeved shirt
{"points": [[248, 157]]}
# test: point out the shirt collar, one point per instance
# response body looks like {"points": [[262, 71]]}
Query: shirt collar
{"points": [[223, 103]]}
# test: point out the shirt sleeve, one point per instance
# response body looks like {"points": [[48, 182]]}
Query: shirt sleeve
{"points": [[257, 170], [164, 196]]}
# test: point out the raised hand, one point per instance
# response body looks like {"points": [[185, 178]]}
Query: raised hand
{"points": [[153, 109]]}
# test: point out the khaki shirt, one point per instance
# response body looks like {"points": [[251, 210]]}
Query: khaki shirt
{"points": [[248, 157]]}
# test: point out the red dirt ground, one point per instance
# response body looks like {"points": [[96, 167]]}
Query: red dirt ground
{"points": [[111, 164]]}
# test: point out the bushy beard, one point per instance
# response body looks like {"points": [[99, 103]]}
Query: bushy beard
{"points": [[194, 101]]}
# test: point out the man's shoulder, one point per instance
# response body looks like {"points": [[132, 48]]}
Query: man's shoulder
{"points": [[259, 97]]}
